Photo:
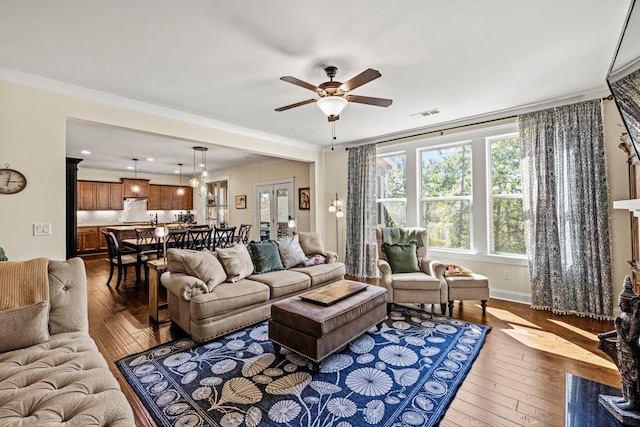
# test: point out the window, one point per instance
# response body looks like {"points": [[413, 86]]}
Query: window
{"points": [[465, 188], [446, 196], [391, 190], [506, 196]]}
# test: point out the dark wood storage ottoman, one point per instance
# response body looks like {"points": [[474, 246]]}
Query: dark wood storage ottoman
{"points": [[316, 331]]}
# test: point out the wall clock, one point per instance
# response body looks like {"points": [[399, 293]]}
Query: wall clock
{"points": [[11, 181]]}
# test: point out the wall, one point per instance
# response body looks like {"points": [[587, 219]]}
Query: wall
{"points": [[33, 135], [242, 180]]}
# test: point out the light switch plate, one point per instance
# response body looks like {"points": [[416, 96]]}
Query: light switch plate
{"points": [[42, 229]]}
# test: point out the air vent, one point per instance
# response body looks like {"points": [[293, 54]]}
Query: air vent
{"points": [[426, 113]]}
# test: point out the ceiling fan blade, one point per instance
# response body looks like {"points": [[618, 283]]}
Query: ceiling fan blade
{"points": [[300, 83], [364, 77], [297, 104], [379, 102]]}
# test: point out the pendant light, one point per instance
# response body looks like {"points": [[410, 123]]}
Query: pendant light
{"points": [[135, 188], [180, 191], [204, 175], [193, 182]]}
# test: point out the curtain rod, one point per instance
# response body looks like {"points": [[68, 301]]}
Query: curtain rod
{"points": [[441, 131]]}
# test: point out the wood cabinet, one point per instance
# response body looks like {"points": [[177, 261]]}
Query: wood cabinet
{"points": [[86, 195], [94, 195], [144, 188], [89, 240], [166, 197]]}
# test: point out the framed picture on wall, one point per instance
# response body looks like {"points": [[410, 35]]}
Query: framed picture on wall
{"points": [[304, 199], [241, 201]]}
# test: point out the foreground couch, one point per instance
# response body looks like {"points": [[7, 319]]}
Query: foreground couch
{"points": [[54, 373], [206, 299]]}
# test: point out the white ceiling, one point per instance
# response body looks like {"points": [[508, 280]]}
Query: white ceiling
{"points": [[223, 59]]}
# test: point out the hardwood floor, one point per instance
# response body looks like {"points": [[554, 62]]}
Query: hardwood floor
{"points": [[517, 380]]}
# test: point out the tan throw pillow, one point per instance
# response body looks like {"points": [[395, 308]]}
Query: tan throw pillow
{"points": [[175, 263], [24, 326], [236, 262], [291, 252], [311, 243], [205, 266]]}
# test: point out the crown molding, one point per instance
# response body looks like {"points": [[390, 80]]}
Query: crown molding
{"points": [[56, 86]]}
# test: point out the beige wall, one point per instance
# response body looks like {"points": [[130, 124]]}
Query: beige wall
{"points": [[33, 140]]}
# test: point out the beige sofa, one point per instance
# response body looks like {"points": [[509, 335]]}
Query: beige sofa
{"points": [[229, 306], [63, 380]]}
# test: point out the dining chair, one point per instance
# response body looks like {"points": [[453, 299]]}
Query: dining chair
{"points": [[199, 238], [243, 233], [223, 237], [122, 258], [176, 239]]}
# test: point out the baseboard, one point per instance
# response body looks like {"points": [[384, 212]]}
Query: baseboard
{"points": [[513, 296]]}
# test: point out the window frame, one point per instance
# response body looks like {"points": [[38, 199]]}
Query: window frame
{"points": [[393, 199], [469, 197], [481, 191]]}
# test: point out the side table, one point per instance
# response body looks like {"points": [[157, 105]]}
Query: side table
{"points": [[156, 268]]}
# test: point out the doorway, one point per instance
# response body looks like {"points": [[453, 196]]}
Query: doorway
{"points": [[274, 207]]}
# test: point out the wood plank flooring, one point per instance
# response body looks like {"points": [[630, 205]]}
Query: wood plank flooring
{"points": [[517, 380]]}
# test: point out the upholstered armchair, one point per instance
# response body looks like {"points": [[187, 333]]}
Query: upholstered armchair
{"points": [[414, 278]]}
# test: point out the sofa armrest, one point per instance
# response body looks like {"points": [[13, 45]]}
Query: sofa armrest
{"points": [[183, 285], [385, 280], [331, 257]]}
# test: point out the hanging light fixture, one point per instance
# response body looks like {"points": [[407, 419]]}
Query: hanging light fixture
{"points": [[204, 175], [193, 182], [180, 191], [332, 105], [135, 188]]}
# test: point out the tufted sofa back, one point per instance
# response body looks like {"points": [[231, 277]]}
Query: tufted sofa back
{"points": [[68, 296]]}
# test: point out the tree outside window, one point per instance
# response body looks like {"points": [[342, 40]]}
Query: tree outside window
{"points": [[446, 196], [506, 196]]}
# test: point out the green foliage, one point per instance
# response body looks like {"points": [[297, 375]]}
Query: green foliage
{"points": [[3, 257]]}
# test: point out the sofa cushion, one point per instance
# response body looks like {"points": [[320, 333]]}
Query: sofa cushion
{"points": [[64, 381], [311, 243], [283, 282], [68, 296], [265, 256], [291, 252], [205, 266], [401, 257], [228, 297], [236, 262], [323, 273], [24, 326]]}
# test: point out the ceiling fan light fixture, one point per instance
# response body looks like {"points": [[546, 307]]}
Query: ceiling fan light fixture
{"points": [[332, 106]]}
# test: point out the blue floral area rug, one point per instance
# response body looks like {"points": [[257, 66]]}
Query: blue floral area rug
{"points": [[405, 374]]}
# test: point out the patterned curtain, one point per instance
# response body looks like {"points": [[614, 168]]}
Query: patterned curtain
{"points": [[361, 247], [566, 204]]}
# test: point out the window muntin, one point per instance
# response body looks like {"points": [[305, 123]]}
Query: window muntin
{"points": [[446, 189], [391, 190], [507, 217]]}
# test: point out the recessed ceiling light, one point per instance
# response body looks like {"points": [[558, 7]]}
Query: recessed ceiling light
{"points": [[246, 157], [150, 159], [130, 167], [201, 165], [176, 171], [86, 152]]}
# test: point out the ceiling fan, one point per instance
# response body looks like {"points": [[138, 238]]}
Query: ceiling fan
{"points": [[334, 96]]}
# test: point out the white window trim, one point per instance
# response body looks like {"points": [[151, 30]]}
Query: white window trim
{"points": [[481, 193]]}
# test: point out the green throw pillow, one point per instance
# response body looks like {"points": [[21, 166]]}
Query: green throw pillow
{"points": [[265, 256], [401, 257]]}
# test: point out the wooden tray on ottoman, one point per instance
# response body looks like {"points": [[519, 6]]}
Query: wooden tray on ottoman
{"points": [[333, 293], [316, 331]]}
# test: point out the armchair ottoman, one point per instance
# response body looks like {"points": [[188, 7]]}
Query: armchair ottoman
{"points": [[473, 287]]}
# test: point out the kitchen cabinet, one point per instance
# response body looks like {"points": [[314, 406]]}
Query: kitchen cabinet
{"points": [[88, 240], [144, 188], [99, 195], [186, 200], [166, 197], [155, 194], [86, 195]]}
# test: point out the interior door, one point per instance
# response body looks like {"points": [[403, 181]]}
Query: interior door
{"points": [[274, 203]]}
